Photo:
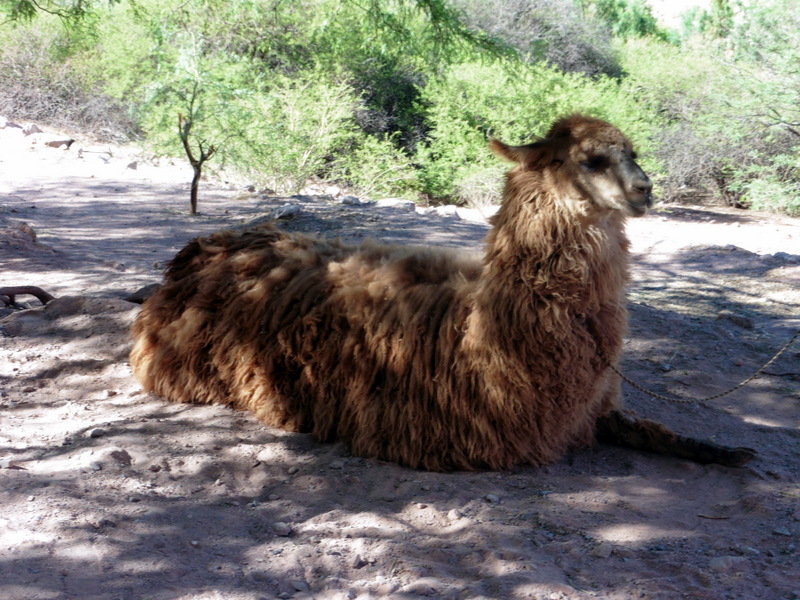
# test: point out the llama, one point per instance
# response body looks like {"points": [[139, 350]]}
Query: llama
{"points": [[421, 356]]}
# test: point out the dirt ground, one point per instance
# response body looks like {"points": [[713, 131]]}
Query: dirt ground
{"points": [[111, 494]]}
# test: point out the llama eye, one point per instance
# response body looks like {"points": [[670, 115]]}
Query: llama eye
{"points": [[594, 163]]}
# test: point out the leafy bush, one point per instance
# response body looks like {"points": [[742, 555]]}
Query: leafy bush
{"points": [[298, 125], [725, 122], [375, 167], [43, 78], [477, 101], [548, 31]]}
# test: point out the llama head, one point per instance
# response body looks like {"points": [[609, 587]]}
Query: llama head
{"points": [[588, 159]]}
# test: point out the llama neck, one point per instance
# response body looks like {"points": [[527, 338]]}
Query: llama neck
{"points": [[546, 261]]}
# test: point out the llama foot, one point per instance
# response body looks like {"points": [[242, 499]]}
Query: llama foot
{"points": [[624, 429]]}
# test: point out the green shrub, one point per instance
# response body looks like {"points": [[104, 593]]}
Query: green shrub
{"points": [[474, 102], [45, 77], [375, 167]]}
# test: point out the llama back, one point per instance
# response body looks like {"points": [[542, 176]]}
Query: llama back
{"points": [[312, 335]]}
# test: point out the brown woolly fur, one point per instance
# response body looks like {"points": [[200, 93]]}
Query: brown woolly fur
{"points": [[419, 356]]}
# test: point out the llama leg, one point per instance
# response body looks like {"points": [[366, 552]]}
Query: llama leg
{"points": [[624, 429]]}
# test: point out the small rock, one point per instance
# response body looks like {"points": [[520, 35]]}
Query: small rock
{"points": [[493, 498], [96, 466], [354, 201], [133, 166], [292, 470], [30, 129], [97, 433], [143, 293], [454, 514], [398, 204], [782, 531], [299, 586], [281, 529], [723, 564], [59, 143], [426, 586], [357, 562], [741, 321], [602, 550], [122, 457], [448, 210], [793, 258], [336, 464], [104, 523], [284, 212]]}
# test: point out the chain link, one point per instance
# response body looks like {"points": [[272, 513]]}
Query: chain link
{"points": [[677, 400]]}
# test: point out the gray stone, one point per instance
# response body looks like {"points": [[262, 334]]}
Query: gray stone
{"points": [[398, 204], [355, 201], [602, 550], [729, 564]]}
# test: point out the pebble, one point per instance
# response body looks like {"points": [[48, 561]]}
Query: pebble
{"points": [[427, 586], [397, 203], [740, 320], [299, 586], [354, 201], [447, 210], [454, 514], [97, 433], [723, 564], [602, 550], [292, 470], [493, 498], [336, 464], [282, 212], [782, 531], [787, 257], [281, 529], [357, 562]]}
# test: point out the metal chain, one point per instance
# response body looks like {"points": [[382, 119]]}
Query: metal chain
{"points": [[677, 400]]}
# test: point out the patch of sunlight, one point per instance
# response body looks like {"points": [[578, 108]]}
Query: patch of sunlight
{"points": [[79, 552], [618, 492], [639, 532], [24, 538], [28, 591], [756, 420]]}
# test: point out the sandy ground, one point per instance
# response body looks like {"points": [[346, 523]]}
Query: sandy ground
{"points": [[109, 493]]}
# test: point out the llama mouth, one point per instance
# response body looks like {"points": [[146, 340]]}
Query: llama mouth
{"points": [[638, 209]]}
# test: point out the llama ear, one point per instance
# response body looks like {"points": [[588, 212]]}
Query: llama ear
{"points": [[534, 155]]}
